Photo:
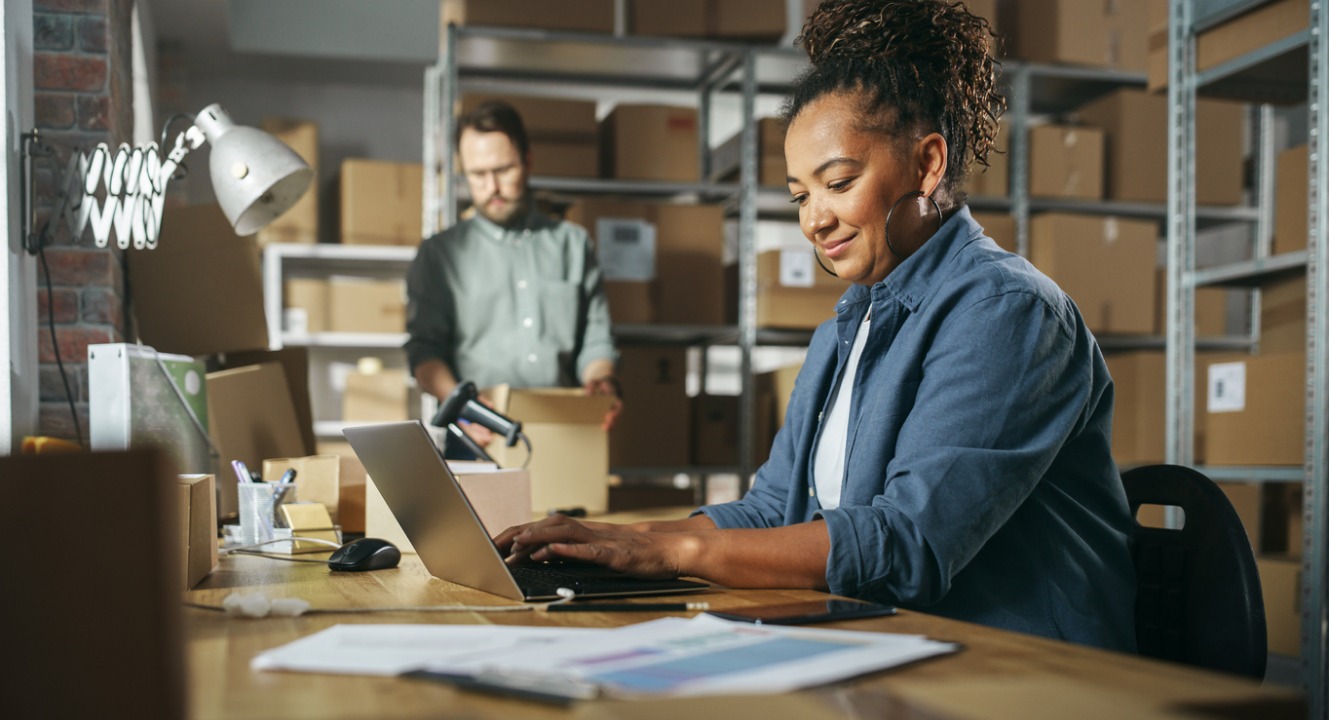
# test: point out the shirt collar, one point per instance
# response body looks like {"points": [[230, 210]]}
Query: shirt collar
{"points": [[534, 220], [910, 282]]}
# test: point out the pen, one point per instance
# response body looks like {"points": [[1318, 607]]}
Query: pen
{"points": [[627, 607], [242, 472]]}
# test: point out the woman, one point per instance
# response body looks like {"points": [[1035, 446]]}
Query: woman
{"points": [[946, 445]]}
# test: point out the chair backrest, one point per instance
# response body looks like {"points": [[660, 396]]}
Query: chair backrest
{"points": [[1198, 595]]}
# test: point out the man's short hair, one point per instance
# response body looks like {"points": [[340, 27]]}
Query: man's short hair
{"points": [[495, 116]]}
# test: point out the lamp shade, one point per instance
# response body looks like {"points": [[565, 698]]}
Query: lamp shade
{"points": [[255, 176]]}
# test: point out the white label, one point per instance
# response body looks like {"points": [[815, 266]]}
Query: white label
{"points": [[796, 268], [1111, 230], [626, 248], [1227, 385], [296, 320]]}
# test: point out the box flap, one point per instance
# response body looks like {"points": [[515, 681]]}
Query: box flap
{"points": [[549, 405]]}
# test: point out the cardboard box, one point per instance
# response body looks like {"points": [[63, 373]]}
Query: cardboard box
{"points": [[380, 202], [318, 478], [792, 291], [250, 417], [653, 430], [1254, 410], [689, 288], [1001, 227], [1281, 590], [305, 304], [1109, 35], [771, 170], [1284, 316], [366, 306], [1246, 501], [731, 19], [781, 385], [1210, 308], [650, 142], [1139, 400], [300, 224], [197, 499], [1066, 162], [565, 158], [563, 133], [716, 428], [501, 499], [1291, 194], [350, 485], [1092, 259], [1135, 125], [1234, 38], [595, 16], [569, 459], [630, 301], [995, 179], [384, 396], [200, 291], [1282, 522]]}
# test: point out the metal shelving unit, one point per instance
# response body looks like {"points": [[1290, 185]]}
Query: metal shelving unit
{"points": [[1291, 69]]}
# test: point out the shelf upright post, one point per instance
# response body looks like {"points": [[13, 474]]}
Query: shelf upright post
{"points": [[747, 266], [1314, 555], [429, 190], [1263, 146], [1018, 128], [1180, 342], [447, 214]]}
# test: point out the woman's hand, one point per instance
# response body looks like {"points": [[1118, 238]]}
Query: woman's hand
{"points": [[620, 547]]}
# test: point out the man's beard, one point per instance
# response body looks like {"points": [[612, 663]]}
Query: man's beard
{"points": [[512, 214]]}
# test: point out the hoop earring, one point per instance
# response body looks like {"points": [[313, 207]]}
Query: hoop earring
{"points": [[899, 200], [825, 269]]}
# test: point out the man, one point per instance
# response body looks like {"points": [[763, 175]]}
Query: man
{"points": [[508, 295]]}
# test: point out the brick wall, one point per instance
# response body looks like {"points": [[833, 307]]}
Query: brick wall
{"points": [[82, 73]]}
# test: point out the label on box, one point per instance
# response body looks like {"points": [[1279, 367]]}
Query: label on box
{"points": [[295, 320], [1227, 385], [626, 248], [796, 268]]}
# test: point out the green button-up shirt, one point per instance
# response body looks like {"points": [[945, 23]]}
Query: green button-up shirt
{"points": [[524, 306]]}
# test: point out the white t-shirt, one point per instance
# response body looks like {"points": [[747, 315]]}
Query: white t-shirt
{"points": [[829, 460]]}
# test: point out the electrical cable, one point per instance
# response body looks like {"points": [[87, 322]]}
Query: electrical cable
{"points": [[258, 605], [55, 343]]}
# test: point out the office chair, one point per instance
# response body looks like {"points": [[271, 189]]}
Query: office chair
{"points": [[1198, 595]]}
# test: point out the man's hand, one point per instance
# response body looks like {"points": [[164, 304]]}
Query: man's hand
{"points": [[620, 547], [607, 385]]}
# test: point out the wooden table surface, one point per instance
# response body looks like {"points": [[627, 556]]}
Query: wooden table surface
{"points": [[996, 675]]}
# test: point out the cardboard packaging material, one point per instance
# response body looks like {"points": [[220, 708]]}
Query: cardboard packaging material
{"points": [[1089, 257], [994, 180], [781, 385], [1066, 162], [595, 16], [631, 301], [198, 527], [1210, 308], [1291, 172], [1135, 126], [569, 459], [771, 171], [562, 133], [1284, 316], [653, 430], [295, 365], [366, 306], [1109, 35], [1246, 501], [650, 142], [200, 291], [305, 305], [1245, 33], [716, 428], [383, 396], [1139, 408], [1254, 410], [380, 202], [730, 19], [792, 291], [300, 224], [350, 485], [1001, 227], [1282, 523], [1281, 590], [318, 478], [250, 417], [501, 499]]}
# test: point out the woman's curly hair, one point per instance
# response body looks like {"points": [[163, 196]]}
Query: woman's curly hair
{"points": [[920, 66]]}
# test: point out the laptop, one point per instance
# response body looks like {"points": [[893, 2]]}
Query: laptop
{"points": [[431, 507]]}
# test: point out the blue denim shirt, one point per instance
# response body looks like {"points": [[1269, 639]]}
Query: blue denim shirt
{"points": [[978, 481]]}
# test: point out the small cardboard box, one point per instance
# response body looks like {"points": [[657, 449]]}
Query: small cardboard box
{"points": [[569, 459], [562, 133], [771, 171], [631, 302], [501, 499], [1265, 24], [198, 527], [366, 306], [653, 429], [995, 179], [1089, 256], [999, 226], [1281, 590], [1135, 125], [650, 142], [350, 485], [1254, 410], [1291, 173], [1282, 522], [380, 202], [1284, 316], [1109, 34], [383, 396], [318, 478], [1210, 308], [1066, 162], [595, 16], [792, 291], [305, 303], [300, 224]]}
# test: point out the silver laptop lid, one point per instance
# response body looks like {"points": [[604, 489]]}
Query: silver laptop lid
{"points": [[429, 504]]}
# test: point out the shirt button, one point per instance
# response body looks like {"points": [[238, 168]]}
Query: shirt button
{"points": [[521, 284], [531, 357], [526, 233], [810, 492], [527, 322]]}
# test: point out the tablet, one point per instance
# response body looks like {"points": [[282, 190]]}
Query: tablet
{"points": [[804, 613]]}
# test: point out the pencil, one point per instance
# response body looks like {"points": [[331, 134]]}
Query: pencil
{"points": [[627, 607]]}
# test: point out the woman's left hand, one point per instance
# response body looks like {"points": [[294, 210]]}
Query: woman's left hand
{"points": [[619, 547]]}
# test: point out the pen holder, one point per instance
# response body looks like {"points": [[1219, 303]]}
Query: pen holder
{"points": [[257, 503]]}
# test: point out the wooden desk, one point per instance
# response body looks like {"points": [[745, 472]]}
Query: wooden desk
{"points": [[997, 675]]}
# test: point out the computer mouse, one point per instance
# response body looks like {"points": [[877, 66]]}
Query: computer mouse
{"points": [[365, 554]]}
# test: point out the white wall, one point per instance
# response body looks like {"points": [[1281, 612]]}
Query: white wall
{"points": [[18, 352]]}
